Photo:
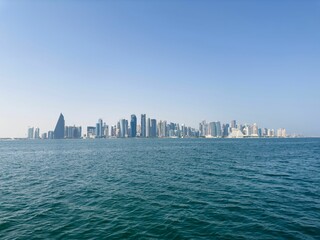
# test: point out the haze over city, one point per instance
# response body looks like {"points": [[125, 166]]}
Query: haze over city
{"points": [[213, 60]]}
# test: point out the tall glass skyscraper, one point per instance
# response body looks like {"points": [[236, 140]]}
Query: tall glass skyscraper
{"points": [[153, 128], [59, 129], [218, 129], [133, 126], [212, 129], [233, 124], [31, 133], [123, 128], [99, 129], [143, 125], [148, 128], [73, 132], [37, 133]]}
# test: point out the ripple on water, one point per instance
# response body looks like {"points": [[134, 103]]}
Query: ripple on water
{"points": [[160, 188]]}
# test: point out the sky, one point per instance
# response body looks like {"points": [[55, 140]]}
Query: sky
{"points": [[180, 61]]}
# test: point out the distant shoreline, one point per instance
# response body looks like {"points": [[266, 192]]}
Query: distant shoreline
{"points": [[90, 139]]}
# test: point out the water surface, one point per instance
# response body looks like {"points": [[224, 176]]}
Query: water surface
{"points": [[160, 189]]}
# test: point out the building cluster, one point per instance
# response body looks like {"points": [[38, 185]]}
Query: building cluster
{"points": [[151, 128], [232, 130], [146, 128], [60, 132]]}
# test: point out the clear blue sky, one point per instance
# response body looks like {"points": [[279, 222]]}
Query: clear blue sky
{"points": [[181, 61]]}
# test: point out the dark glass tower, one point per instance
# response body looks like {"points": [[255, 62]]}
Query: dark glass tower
{"points": [[133, 125], [143, 125], [59, 130], [153, 128]]}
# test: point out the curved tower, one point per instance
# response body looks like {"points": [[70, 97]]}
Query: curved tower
{"points": [[59, 129]]}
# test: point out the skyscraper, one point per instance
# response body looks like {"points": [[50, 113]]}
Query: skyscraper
{"points": [[118, 129], [59, 129], [281, 132], [133, 126], [106, 130], [254, 130], [148, 128], [113, 131], [30, 132], [212, 129], [50, 135], [99, 129], [37, 133], [159, 128], [164, 129], [153, 128], [204, 128], [225, 130], [143, 125], [123, 128], [73, 132], [91, 131], [218, 129], [126, 127], [233, 124]]}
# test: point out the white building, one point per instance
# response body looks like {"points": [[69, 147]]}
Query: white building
{"points": [[281, 132], [235, 133]]}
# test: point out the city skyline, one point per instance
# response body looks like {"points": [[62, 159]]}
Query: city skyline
{"points": [[153, 128], [254, 61]]}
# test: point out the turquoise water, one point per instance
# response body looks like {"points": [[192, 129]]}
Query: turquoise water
{"points": [[160, 189]]}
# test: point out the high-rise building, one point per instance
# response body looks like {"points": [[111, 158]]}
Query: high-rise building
{"points": [[143, 125], [37, 133], [44, 135], [91, 132], [60, 127], [164, 132], [78, 132], [138, 130], [247, 130], [204, 128], [99, 129], [73, 132], [159, 128], [255, 130], [225, 130], [281, 132], [218, 129], [233, 124], [123, 128], [106, 130], [265, 132], [126, 128], [133, 126], [118, 129], [270, 132], [113, 131], [30, 133], [212, 129], [148, 128], [50, 135], [153, 128], [183, 131]]}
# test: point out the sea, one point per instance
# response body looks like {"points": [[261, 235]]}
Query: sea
{"points": [[160, 189]]}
